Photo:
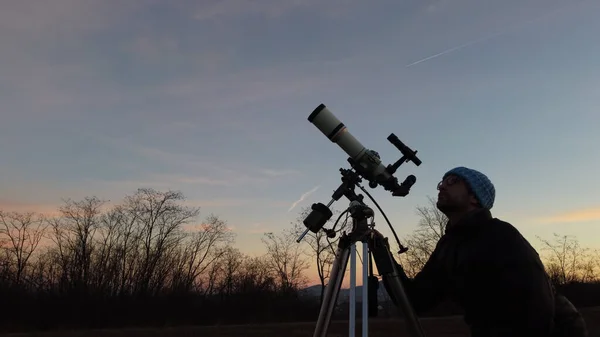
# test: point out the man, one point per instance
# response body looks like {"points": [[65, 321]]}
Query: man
{"points": [[486, 266]]}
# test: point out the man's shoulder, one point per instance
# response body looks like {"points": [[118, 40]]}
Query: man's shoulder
{"points": [[503, 228], [504, 235]]}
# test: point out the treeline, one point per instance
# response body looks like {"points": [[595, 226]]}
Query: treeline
{"points": [[146, 261], [151, 261]]}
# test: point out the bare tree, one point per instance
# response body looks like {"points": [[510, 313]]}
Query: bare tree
{"points": [[73, 234], [230, 265], [208, 281], [285, 259], [255, 277], [568, 262], [422, 242], [159, 218], [200, 249], [128, 248], [23, 233], [106, 262]]}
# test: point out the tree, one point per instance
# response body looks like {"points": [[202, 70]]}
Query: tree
{"points": [[255, 277], [73, 234], [568, 262], [106, 261], [159, 219], [22, 233], [200, 249], [285, 260], [422, 242], [230, 265]]}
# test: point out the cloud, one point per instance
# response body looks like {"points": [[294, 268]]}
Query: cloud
{"points": [[154, 49], [232, 90], [581, 215], [174, 182], [56, 63], [8, 205], [302, 197], [159, 181], [234, 179], [256, 228], [155, 153], [436, 5], [190, 168], [279, 173], [160, 49], [58, 67], [219, 9], [217, 203], [205, 205], [35, 17], [228, 203]]}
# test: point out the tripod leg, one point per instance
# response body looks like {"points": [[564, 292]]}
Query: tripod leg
{"points": [[332, 289], [365, 290], [373, 289], [352, 299], [385, 265]]}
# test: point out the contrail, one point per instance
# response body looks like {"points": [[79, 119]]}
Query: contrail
{"points": [[453, 49], [547, 15], [302, 197]]}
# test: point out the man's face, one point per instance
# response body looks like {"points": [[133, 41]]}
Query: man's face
{"points": [[454, 195]]}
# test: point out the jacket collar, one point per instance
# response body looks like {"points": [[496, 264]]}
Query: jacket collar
{"points": [[471, 219]]}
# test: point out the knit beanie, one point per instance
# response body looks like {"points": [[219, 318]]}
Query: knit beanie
{"points": [[479, 183]]}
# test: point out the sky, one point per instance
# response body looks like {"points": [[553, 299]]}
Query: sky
{"points": [[211, 98]]}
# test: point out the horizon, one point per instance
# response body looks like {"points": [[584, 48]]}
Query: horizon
{"points": [[212, 99]]}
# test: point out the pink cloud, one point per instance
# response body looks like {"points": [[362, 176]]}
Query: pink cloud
{"points": [[578, 215], [257, 228], [216, 178], [8, 205], [233, 202]]}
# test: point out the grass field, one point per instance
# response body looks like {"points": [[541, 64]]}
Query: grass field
{"points": [[434, 327]]}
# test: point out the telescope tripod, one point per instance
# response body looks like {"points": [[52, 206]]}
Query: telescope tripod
{"points": [[376, 244]]}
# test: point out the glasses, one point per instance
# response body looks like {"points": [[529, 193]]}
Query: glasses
{"points": [[449, 181]]}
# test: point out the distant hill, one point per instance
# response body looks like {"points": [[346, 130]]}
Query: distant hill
{"points": [[315, 291]]}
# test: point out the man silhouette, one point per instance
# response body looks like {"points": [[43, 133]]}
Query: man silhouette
{"points": [[486, 266]]}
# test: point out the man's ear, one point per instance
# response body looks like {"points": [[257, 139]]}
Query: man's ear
{"points": [[473, 200]]}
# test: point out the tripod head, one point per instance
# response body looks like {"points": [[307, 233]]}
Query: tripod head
{"points": [[321, 213]]}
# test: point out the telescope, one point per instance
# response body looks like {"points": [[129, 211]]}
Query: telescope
{"points": [[366, 165], [366, 162]]}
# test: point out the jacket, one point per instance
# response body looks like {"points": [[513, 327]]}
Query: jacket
{"points": [[485, 265]]}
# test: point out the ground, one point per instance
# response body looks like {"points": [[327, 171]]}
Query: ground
{"points": [[435, 327]]}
